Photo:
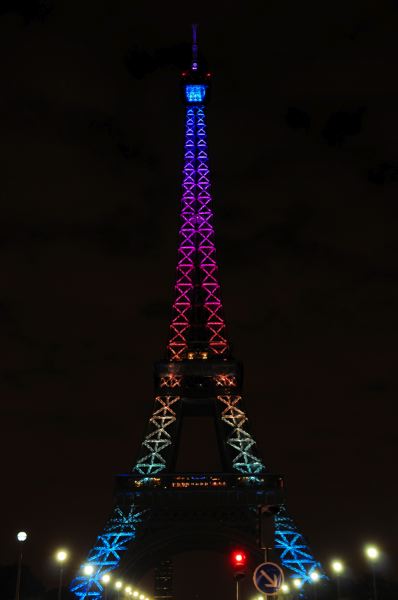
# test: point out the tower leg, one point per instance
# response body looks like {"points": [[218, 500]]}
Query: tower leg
{"points": [[119, 531], [295, 554]]}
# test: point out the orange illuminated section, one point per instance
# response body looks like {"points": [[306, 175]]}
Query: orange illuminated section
{"points": [[205, 482], [170, 381], [225, 381]]}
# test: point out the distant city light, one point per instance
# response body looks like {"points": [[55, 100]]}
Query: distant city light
{"points": [[297, 583], [118, 585], [315, 576], [22, 536]]}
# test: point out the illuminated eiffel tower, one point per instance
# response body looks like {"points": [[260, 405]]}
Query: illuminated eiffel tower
{"points": [[158, 511]]}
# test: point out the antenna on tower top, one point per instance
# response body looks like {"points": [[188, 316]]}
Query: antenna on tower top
{"points": [[194, 46]]}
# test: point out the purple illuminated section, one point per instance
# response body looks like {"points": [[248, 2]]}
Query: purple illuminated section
{"points": [[206, 246], [186, 249], [196, 253]]}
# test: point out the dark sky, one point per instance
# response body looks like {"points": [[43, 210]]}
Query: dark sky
{"points": [[303, 141]]}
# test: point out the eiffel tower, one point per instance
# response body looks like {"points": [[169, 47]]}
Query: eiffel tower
{"points": [[159, 511]]}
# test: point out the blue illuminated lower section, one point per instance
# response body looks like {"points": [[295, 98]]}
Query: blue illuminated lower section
{"points": [[195, 92], [295, 554], [105, 556]]}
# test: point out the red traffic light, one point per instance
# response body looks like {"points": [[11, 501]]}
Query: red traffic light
{"points": [[238, 558], [238, 561]]}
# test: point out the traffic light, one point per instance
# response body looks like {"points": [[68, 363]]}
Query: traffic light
{"points": [[238, 561]]}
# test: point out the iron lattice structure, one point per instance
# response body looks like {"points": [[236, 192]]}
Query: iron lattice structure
{"points": [[294, 552], [105, 556], [198, 355], [197, 266]]}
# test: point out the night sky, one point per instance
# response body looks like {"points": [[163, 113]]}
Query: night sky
{"points": [[303, 130]]}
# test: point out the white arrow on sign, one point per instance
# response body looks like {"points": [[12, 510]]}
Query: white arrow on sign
{"points": [[273, 581]]}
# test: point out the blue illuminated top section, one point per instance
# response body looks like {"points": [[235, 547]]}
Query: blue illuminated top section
{"points": [[195, 92]]}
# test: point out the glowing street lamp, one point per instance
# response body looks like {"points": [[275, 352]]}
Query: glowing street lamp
{"points": [[338, 568], [372, 553], [315, 577], [88, 570], [22, 536], [297, 583], [285, 589], [118, 587], [105, 580], [61, 556]]}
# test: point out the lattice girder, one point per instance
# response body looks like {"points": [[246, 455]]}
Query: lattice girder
{"points": [[295, 554], [106, 554], [158, 440], [245, 459], [196, 253]]}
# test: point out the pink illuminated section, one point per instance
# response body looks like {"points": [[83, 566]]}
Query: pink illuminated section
{"points": [[196, 252], [186, 249], [206, 247]]}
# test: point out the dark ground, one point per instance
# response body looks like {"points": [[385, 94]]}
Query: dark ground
{"points": [[33, 589]]}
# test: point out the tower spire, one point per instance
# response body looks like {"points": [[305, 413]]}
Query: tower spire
{"points": [[194, 65]]}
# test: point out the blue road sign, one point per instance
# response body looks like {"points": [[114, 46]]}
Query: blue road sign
{"points": [[268, 578]]}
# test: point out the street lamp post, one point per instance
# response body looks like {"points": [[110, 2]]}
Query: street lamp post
{"points": [[373, 554], [105, 581], [297, 584], [21, 537], [61, 556], [118, 586], [88, 570], [315, 579], [338, 568], [285, 589]]}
